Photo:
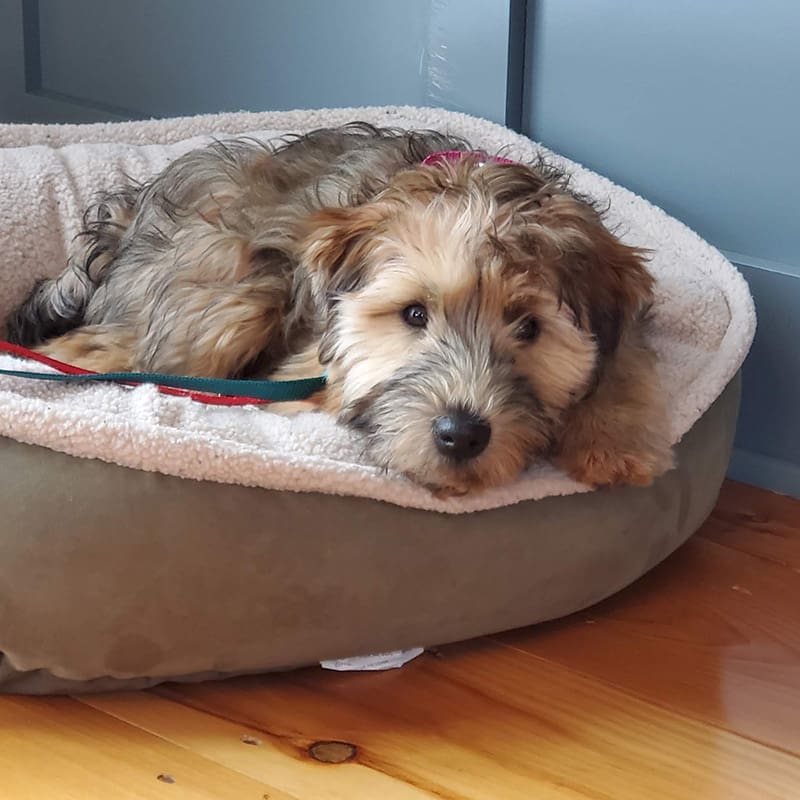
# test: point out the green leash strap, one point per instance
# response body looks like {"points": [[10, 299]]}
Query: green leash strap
{"points": [[272, 391], [217, 391]]}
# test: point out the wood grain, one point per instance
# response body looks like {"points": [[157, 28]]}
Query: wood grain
{"points": [[686, 686], [278, 756], [714, 633], [488, 721], [59, 749], [756, 522]]}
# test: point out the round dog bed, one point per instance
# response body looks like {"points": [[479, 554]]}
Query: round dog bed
{"points": [[148, 538]]}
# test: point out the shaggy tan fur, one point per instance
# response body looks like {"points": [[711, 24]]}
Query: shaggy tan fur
{"points": [[484, 296]]}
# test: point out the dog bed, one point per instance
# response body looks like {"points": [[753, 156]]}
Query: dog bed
{"points": [[284, 549]]}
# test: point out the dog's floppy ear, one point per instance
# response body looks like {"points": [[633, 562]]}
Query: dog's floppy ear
{"points": [[335, 247], [616, 286], [604, 281]]}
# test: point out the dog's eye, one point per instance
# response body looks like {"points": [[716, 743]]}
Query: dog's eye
{"points": [[415, 315], [527, 330]]}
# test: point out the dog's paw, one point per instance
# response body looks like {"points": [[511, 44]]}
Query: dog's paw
{"points": [[599, 468]]}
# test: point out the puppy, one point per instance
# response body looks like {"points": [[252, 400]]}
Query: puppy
{"points": [[472, 316]]}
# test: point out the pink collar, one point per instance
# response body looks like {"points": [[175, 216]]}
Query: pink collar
{"points": [[481, 156]]}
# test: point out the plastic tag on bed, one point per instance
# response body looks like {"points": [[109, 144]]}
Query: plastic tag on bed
{"points": [[374, 663]]}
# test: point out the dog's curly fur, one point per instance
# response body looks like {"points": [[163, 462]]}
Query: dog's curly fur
{"points": [[464, 290]]}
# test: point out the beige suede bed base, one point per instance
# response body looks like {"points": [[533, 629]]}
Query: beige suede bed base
{"points": [[112, 578]]}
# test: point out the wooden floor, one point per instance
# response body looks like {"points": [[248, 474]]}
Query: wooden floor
{"points": [[684, 687]]}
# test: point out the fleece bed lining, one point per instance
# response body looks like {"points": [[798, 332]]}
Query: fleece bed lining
{"points": [[703, 324]]}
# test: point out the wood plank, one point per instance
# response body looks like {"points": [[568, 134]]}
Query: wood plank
{"points": [[713, 633], [58, 748], [487, 721], [757, 522], [281, 760], [388, 742]]}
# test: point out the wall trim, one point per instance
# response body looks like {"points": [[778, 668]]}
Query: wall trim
{"points": [[766, 449], [764, 471], [515, 79], [32, 54], [756, 262]]}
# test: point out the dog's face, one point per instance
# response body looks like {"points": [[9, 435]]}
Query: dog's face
{"points": [[467, 308]]}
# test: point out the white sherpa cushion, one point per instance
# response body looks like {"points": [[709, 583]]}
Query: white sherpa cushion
{"points": [[704, 316]]}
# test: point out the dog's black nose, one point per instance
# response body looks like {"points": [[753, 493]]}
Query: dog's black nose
{"points": [[461, 435]]}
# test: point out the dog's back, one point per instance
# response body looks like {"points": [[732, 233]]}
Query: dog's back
{"points": [[136, 239]]}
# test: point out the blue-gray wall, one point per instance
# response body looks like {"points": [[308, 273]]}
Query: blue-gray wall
{"points": [[151, 58], [695, 104]]}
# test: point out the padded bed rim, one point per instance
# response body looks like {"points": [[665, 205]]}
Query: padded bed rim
{"points": [[105, 581]]}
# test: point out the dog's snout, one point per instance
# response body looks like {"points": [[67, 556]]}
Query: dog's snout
{"points": [[461, 435]]}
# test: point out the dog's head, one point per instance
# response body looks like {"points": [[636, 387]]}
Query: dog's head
{"points": [[467, 307]]}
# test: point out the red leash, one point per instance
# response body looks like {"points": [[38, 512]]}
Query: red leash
{"points": [[69, 369]]}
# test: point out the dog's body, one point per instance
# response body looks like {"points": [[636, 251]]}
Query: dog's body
{"points": [[470, 316]]}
